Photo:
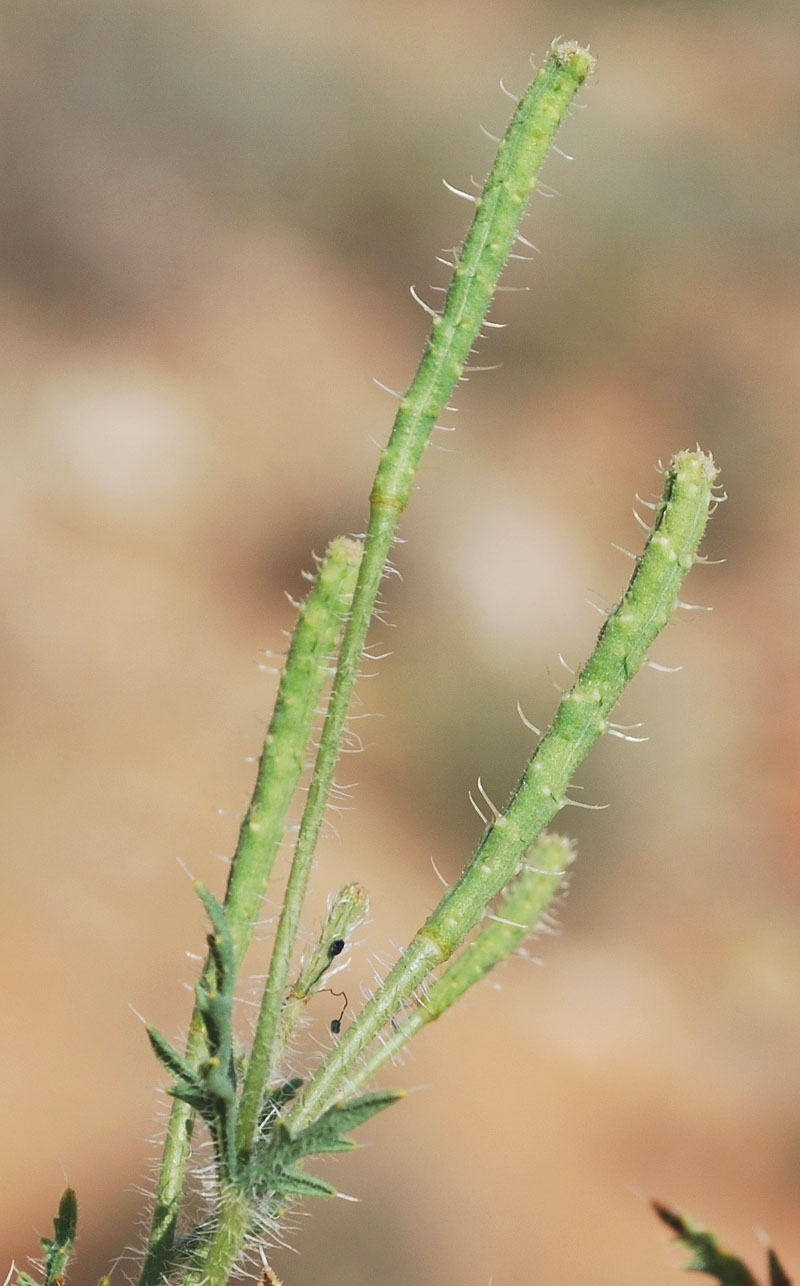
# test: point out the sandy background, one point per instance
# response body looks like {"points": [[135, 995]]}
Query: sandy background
{"points": [[212, 213]]}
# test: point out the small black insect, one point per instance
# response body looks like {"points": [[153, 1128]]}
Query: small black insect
{"points": [[336, 947], [336, 1023]]}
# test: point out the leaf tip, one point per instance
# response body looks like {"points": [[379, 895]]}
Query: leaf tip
{"points": [[672, 1220]]}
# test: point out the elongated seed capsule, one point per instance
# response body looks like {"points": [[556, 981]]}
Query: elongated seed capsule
{"points": [[621, 648], [305, 674], [487, 246], [582, 714], [521, 908], [346, 911]]}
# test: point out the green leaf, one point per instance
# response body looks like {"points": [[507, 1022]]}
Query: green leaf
{"points": [[169, 1057], [216, 1100], [777, 1277], [58, 1248], [188, 1084], [215, 991], [707, 1254], [195, 1096], [295, 1183], [276, 1099], [66, 1221], [272, 1170], [210, 1088], [326, 1134], [220, 942], [273, 1162]]}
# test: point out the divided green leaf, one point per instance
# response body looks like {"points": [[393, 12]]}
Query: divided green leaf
{"points": [[327, 1133], [169, 1057], [58, 1248], [708, 1256], [777, 1276], [295, 1183], [210, 1088], [273, 1165], [276, 1099]]}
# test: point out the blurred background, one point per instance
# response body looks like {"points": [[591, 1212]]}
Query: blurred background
{"points": [[212, 213]]}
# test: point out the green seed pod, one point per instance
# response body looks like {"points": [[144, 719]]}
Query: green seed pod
{"points": [[347, 909], [521, 908]]}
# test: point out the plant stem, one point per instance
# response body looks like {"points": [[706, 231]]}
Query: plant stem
{"points": [[235, 1217], [498, 212], [581, 718], [281, 765]]}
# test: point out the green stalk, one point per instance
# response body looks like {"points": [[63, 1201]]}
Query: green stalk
{"points": [[235, 1219], [281, 765], [498, 212], [581, 718], [524, 902]]}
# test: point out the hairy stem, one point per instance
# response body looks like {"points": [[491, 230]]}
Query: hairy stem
{"points": [[235, 1218]]}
